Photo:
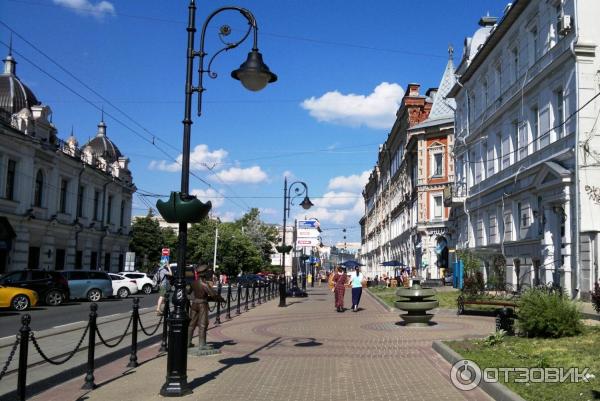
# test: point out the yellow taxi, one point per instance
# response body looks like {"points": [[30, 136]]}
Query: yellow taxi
{"points": [[19, 299]]}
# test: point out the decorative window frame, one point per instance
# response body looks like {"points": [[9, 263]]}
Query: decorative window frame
{"points": [[434, 149]]}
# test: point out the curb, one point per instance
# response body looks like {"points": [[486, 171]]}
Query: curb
{"points": [[497, 391]]}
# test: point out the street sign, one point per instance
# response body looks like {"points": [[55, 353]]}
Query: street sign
{"points": [[304, 233], [166, 252], [308, 224], [307, 242]]}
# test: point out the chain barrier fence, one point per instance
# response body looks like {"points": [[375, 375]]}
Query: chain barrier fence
{"points": [[239, 295]]}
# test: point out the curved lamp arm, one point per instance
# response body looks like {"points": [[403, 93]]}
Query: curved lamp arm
{"points": [[300, 189]]}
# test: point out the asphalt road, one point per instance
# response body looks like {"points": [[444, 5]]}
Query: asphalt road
{"points": [[46, 317]]}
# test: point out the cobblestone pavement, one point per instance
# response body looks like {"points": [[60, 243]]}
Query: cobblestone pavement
{"points": [[307, 351]]}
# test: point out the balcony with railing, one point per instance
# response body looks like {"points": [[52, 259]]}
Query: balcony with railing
{"points": [[455, 194]]}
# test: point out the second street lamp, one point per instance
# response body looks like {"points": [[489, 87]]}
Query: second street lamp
{"points": [[300, 189], [184, 208]]}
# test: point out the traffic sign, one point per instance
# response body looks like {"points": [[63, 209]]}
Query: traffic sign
{"points": [[304, 233], [308, 224], [166, 252]]}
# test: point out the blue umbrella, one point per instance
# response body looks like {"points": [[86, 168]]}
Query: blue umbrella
{"points": [[351, 264], [393, 263]]}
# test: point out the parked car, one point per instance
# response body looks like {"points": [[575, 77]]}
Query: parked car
{"points": [[123, 286], [17, 298], [52, 288], [145, 283], [250, 279], [93, 285]]}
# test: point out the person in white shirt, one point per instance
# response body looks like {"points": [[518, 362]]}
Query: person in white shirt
{"points": [[356, 279]]}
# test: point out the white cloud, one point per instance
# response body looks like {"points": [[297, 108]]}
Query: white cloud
{"points": [[86, 7], [376, 110], [209, 194], [249, 175], [353, 182], [200, 158], [336, 199], [226, 217]]}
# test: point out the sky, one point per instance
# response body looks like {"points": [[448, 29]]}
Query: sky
{"points": [[342, 68]]}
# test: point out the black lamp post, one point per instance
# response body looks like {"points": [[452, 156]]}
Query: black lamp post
{"points": [[184, 208], [300, 189]]}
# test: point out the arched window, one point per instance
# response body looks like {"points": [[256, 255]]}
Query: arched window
{"points": [[38, 193]]}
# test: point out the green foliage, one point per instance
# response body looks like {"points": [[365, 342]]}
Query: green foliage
{"points": [[147, 240], [548, 315], [596, 297], [472, 264], [496, 337], [473, 283]]}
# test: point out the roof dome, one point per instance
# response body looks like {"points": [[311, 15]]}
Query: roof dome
{"points": [[14, 95], [101, 146]]}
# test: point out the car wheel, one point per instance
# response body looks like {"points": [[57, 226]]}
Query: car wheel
{"points": [[147, 289], [20, 302], [53, 298], [123, 292], [94, 295]]}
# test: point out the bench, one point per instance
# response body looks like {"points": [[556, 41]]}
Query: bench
{"points": [[461, 301]]}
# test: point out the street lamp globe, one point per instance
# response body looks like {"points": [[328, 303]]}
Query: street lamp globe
{"points": [[254, 73], [306, 203]]}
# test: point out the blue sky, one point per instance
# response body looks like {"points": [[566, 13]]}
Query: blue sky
{"points": [[342, 67]]}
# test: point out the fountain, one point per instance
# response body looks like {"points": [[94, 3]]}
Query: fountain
{"points": [[416, 300]]}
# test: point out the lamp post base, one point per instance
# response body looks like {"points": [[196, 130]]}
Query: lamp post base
{"points": [[176, 384], [282, 292]]}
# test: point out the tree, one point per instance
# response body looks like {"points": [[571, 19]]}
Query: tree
{"points": [[261, 234], [146, 240]]}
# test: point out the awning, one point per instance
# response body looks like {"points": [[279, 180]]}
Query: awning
{"points": [[393, 263]]}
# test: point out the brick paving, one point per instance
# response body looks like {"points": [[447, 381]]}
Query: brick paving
{"points": [[306, 351]]}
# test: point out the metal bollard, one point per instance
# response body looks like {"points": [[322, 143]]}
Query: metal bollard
{"points": [[259, 288], [163, 342], [247, 296], [24, 333], [253, 295], [218, 319], [133, 363], [505, 320], [239, 301], [228, 315], [282, 291], [89, 377]]}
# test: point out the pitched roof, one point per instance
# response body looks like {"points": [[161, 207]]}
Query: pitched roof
{"points": [[443, 107]]}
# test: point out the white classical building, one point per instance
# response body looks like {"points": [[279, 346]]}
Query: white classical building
{"points": [[527, 147], [61, 206]]}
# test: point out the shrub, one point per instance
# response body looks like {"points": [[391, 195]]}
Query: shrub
{"points": [[495, 338], [596, 297], [544, 314], [473, 283]]}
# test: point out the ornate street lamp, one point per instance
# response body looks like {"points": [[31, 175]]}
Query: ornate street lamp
{"points": [[184, 208], [300, 189]]}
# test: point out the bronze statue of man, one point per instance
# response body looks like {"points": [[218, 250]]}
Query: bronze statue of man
{"points": [[202, 293]]}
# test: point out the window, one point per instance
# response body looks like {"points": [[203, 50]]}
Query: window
{"points": [[62, 207], [493, 227], [499, 150], [498, 72], [515, 63], [523, 145], [79, 260], [94, 261], [33, 261], [109, 209], [96, 205], [544, 127], [59, 262], [559, 116], [11, 170], [519, 221], [107, 261], [472, 106], [484, 160], [122, 214], [437, 162], [479, 232], [80, 201], [534, 124], [485, 94], [477, 163], [38, 192], [490, 161], [507, 225], [505, 151], [534, 41], [437, 207]]}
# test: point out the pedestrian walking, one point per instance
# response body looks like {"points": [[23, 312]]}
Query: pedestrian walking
{"points": [[340, 279], [357, 281], [163, 278]]}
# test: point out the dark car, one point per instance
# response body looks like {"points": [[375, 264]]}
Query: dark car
{"points": [[52, 288], [250, 279]]}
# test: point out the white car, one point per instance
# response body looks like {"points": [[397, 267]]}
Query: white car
{"points": [[123, 286], [144, 282]]}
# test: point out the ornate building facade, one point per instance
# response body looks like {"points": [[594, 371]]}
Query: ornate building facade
{"points": [[527, 145], [405, 220], [61, 206]]}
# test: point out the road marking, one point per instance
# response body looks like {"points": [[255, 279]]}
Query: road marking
{"points": [[68, 324], [115, 314]]}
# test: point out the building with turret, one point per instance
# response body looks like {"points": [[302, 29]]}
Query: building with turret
{"points": [[62, 205]]}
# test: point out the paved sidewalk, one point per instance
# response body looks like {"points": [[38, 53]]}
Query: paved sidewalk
{"points": [[303, 352]]}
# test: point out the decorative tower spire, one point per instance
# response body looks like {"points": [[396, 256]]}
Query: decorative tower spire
{"points": [[450, 52], [101, 125], [9, 61]]}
